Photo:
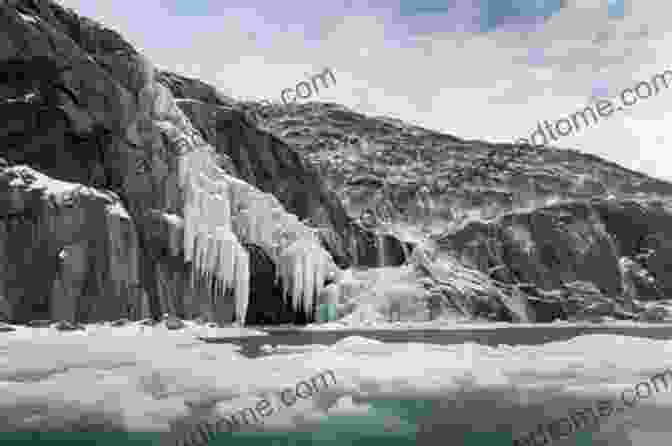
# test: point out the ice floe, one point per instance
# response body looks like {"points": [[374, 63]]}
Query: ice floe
{"points": [[145, 379]]}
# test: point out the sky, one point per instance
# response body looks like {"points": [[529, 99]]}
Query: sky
{"points": [[477, 69]]}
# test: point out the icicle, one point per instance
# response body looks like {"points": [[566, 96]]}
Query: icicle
{"points": [[284, 270], [200, 205], [189, 232], [211, 259], [114, 250], [263, 224], [133, 255], [175, 227], [242, 225], [205, 248], [309, 279], [194, 265], [227, 257], [380, 245], [242, 283], [220, 287], [320, 274], [185, 166], [281, 277], [198, 240], [204, 241], [297, 281], [221, 211], [355, 249]]}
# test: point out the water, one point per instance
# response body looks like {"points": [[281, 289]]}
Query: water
{"points": [[478, 415], [510, 335]]}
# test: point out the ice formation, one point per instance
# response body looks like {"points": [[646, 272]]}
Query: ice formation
{"points": [[222, 212], [303, 267], [147, 379], [214, 250]]}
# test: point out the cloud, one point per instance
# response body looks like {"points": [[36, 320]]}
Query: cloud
{"points": [[433, 70]]}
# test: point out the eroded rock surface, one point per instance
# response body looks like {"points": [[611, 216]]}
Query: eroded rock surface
{"points": [[106, 133], [585, 256], [83, 107]]}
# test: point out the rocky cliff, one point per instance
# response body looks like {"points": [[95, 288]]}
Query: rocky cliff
{"points": [[552, 222], [82, 108], [432, 182], [127, 191]]}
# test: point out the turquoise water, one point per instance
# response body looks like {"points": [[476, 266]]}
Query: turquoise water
{"points": [[80, 438], [388, 423], [326, 313]]}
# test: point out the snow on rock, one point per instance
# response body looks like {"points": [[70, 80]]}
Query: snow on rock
{"points": [[67, 251]]}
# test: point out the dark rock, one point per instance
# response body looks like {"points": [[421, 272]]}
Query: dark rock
{"points": [[173, 323], [637, 228], [187, 88], [68, 326], [547, 311], [148, 322], [202, 320], [576, 248], [655, 314], [6, 328], [625, 315], [39, 323], [60, 238], [120, 322], [604, 308], [265, 304]]}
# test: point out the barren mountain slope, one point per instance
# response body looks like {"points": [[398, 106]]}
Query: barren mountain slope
{"points": [[367, 160]]}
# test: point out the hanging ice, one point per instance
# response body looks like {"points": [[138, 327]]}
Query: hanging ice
{"points": [[222, 212], [303, 267]]}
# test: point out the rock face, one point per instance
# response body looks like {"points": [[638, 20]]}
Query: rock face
{"points": [[422, 181], [591, 243], [263, 160], [111, 170], [69, 252], [90, 114]]}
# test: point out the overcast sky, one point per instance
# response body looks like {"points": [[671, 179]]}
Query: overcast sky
{"points": [[478, 69]]}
